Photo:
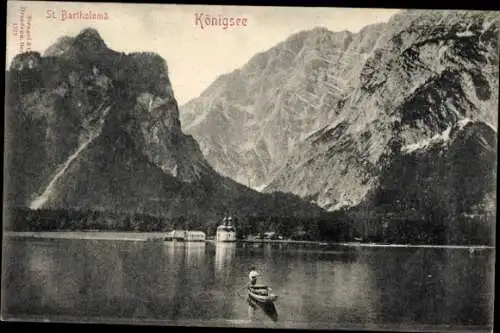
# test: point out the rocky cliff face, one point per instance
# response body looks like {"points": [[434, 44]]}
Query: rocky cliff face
{"points": [[91, 128], [451, 174], [321, 109], [253, 117]]}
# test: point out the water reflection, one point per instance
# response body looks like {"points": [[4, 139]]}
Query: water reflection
{"points": [[353, 295], [433, 286], [224, 255], [59, 282], [175, 249], [269, 309], [70, 278], [195, 253], [268, 251], [197, 281]]}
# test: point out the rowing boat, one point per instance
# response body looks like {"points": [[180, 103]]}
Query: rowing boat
{"points": [[261, 294]]}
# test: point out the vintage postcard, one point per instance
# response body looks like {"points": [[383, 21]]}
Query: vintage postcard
{"points": [[245, 166]]}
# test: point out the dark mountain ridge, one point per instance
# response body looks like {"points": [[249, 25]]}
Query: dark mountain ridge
{"points": [[94, 129]]}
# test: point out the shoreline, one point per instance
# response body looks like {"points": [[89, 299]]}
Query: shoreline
{"points": [[160, 236], [97, 235]]}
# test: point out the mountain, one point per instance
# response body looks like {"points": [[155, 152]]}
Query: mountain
{"points": [[451, 174], [253, 116], [90, 128], [319, 112]]}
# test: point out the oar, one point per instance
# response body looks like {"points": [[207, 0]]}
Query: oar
{"points": [[238, 291]]}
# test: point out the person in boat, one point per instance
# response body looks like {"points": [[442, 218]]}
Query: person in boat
{"points": [[252, 283], [252, 277]]}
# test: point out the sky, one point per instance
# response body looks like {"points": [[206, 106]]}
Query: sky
{"points": [[196, 53]]}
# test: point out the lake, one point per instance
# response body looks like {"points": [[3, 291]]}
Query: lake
{"points": [[338, 287]]}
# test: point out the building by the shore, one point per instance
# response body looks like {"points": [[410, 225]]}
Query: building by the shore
{"points": [[226, 232], [185, 236]]}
